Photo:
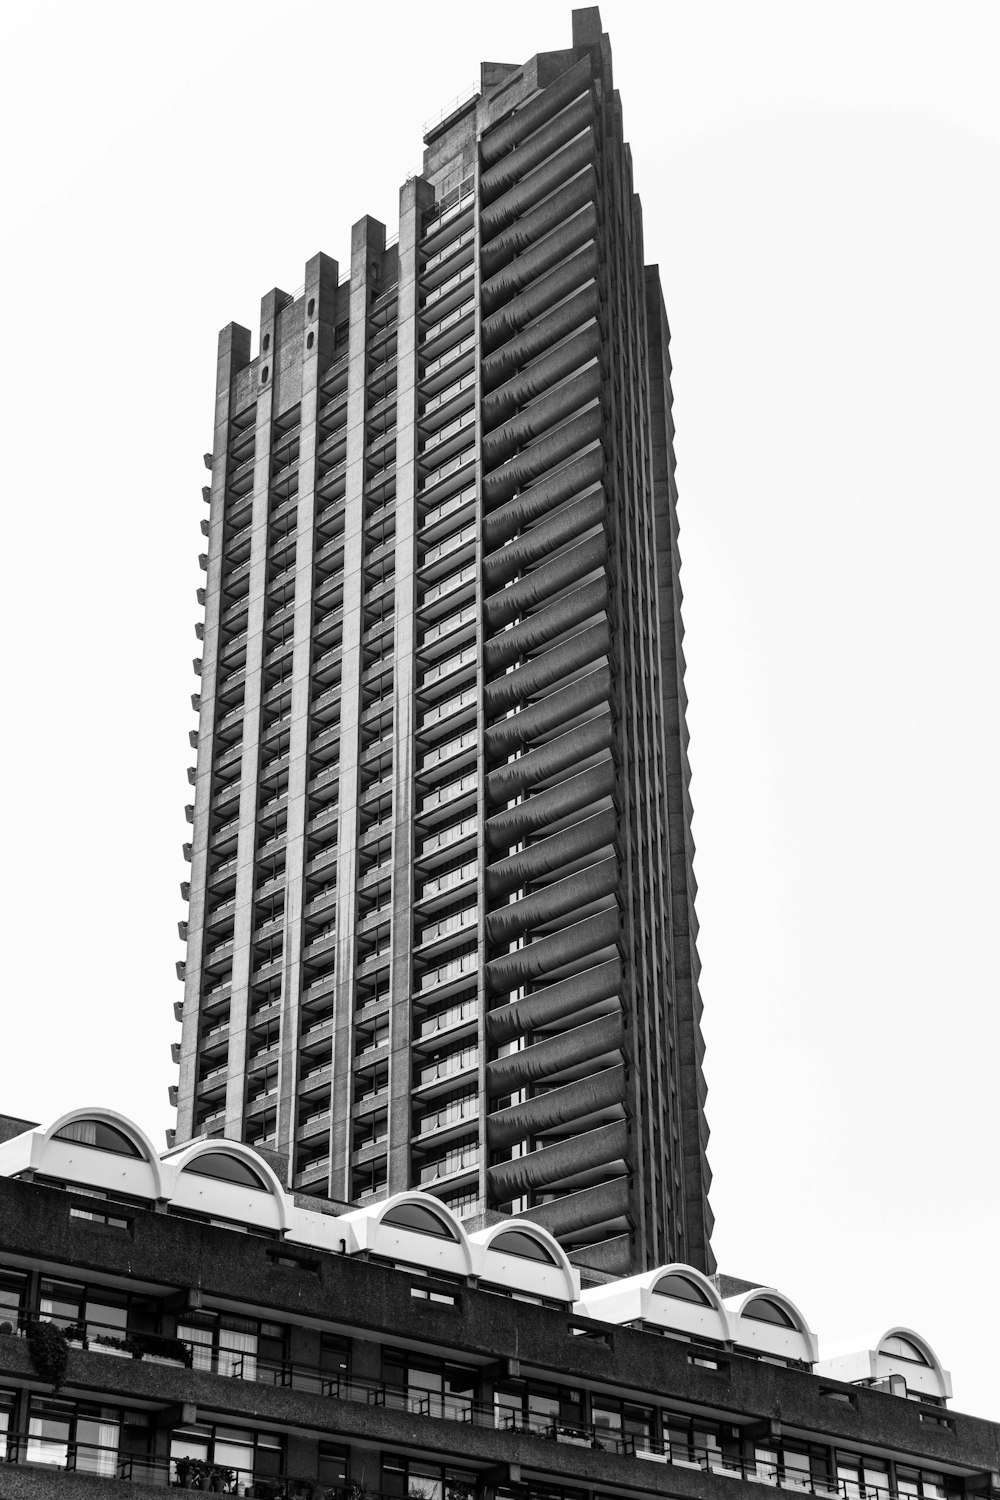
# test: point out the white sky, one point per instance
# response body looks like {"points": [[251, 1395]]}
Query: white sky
{"points": [[820, 185]]}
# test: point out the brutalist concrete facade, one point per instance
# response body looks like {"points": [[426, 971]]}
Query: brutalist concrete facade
{"points": [[318, 1373], [441, 928]]}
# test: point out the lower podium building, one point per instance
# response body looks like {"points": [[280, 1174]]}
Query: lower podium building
{"points": [[182, 1321]]}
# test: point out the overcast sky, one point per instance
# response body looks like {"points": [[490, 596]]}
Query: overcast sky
{"points": [[820, 188]]}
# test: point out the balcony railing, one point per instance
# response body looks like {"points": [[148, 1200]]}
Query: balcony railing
{"points": [[455, 1016], [450, 1114]]}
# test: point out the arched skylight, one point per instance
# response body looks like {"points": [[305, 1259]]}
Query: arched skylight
{"points": [[902, 1348], [515, 1242], [100, 1135], [226, 1168], [683, 1288], [415, 1216], [763, 1310]]}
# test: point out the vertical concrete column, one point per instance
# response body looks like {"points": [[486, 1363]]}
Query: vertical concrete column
{"points": [[253, 692], [319, 303], [414, 196], [367, 243], [234, 355]]}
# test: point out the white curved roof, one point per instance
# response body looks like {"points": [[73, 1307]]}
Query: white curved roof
{"points": [[267, 1206], [554, 1277], [39, 1151], [868, 1360], [781, 1342], [634, 1299]]}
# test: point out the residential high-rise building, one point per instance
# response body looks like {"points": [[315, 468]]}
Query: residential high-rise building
{"points": [[441, 928]]}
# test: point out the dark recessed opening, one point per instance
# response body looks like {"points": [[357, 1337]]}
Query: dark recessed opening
{"points": [[312, 307], [310, 340], [266, 343], [263, 375]]}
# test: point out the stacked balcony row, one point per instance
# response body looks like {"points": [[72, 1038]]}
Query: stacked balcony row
{"points": [[555, 1076]]}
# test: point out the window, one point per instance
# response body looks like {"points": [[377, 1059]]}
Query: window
{"points": [[251, 1454], [793, 1466], [533, 1406], [763, 1310], [333, 1464], [436, 1387], [98, 1215], [416, 1217], [82, 1436], [101, 1136], [229, 1345], [616, 1420], [226, 1168], [417, 1480], [861, 1477], [683, 1288], [516, 1242], [901, 1348], [335, 1356], [107, 1314], [7, 1402], [13, 1288], [920, 1482], [693, 1439]]}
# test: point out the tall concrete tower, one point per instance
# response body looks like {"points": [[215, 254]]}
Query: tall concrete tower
{"points": [[441, 927]]}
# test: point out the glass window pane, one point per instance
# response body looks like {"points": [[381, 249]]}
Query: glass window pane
{"points": [[96, 1133], [97, 1446], [61, 1301], [49, 1424]]}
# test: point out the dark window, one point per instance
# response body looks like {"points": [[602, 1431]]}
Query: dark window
{"points": [[335, 1354], [763, 1310], [682, 1288], [514, 1242], [333, 1464], [423, 1220], [13, 1285], [101, 1136], [226, 1168]]}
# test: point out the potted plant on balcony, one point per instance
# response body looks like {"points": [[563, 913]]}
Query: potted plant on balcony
{"points": [[48, 1349], [161, 1347]]}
